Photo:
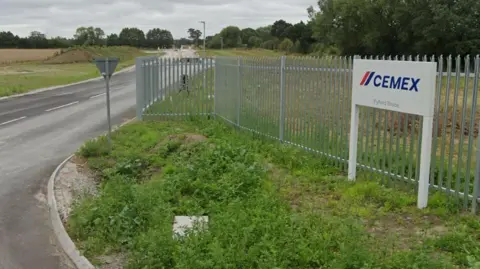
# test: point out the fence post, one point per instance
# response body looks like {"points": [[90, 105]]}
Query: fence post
{"points": [[156, 80], [476, 181], [282, 98], [139, 86], [239, 76], [215, 70]]}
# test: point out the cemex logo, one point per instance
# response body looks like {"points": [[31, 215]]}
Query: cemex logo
{"points": [[390, 82]]}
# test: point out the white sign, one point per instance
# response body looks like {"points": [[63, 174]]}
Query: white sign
{"points": [[395, 85], [402, 86]]}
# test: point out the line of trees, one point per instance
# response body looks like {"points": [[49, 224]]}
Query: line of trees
{"points": [[88, 36], [367, 27], [345, 27], [280, 35]]}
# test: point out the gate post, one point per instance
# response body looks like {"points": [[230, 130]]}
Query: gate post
{"points": [[140, 84]]}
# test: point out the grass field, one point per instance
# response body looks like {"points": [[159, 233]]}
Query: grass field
{"points": [[70, 66], [269, 206]]}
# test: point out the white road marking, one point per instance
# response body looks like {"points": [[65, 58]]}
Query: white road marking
{"points": [[98, 95], [14, 120], [69, 104]]}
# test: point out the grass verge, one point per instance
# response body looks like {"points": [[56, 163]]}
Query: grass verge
{"points": [[71, 66], [270, 206]]}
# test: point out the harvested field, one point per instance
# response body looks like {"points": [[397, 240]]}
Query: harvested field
{"points": [[8, 56]]}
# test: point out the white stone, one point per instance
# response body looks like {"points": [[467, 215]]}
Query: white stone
{"points": [[182, 223]]}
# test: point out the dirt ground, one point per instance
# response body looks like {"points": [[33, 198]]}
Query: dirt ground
{"points": [[8, 56]]}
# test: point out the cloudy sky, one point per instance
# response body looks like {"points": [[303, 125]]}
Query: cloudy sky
{"points": [[62, 17]]}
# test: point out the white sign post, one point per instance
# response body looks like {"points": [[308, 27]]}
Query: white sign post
{"points": [[402, 86]]}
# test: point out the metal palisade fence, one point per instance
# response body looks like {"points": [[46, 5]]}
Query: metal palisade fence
{"points": [[306, 102]]}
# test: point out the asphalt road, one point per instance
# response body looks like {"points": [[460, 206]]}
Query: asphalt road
{"points": [[36, 133]]}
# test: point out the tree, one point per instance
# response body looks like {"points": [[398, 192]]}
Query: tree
{"points": [[279, 29], [38, 40], [301, 33], [194, 35], [113, 40], [270, 44], [89, 36], [8, 40], [157, 37], [399, 27], [232, 36], [264, 33], [246, 34], [59, 42], [132, 37], [254, 42], [182, 41], [286, 45], [215, 42]]}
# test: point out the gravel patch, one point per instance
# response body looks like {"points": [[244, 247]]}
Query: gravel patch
{"points": [[73, 183]]}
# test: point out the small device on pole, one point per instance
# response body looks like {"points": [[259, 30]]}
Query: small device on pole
{"points": [[107, 66]]}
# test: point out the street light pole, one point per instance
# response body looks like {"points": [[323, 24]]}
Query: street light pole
{"points": [[204, 38], [204, 56]]}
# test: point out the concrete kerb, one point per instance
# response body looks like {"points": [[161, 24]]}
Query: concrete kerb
{"points": [[128, 69], [61, 234]]}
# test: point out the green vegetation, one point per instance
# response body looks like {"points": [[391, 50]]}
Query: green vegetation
{"points": [[72, 65], [242, 52], [345, 27], [270, 206], [90, 36], [349, 27]]}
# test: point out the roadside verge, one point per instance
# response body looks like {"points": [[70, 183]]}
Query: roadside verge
{"points": [[125, 70], [61, 235], [279, 205]]}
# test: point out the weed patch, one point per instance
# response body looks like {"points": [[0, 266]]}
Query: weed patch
{"points": [[269, 206]]}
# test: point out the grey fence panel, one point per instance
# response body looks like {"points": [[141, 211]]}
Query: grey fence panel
{"points": [[175, 88], [306, 102]]}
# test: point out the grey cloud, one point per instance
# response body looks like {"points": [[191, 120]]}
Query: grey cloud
{"points": [[59, 17]]}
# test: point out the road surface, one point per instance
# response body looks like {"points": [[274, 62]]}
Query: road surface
{"points": [[36, 133]]}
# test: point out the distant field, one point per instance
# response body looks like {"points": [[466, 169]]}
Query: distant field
{"points": [[8, 56], [72, 65], [241, 52]]}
